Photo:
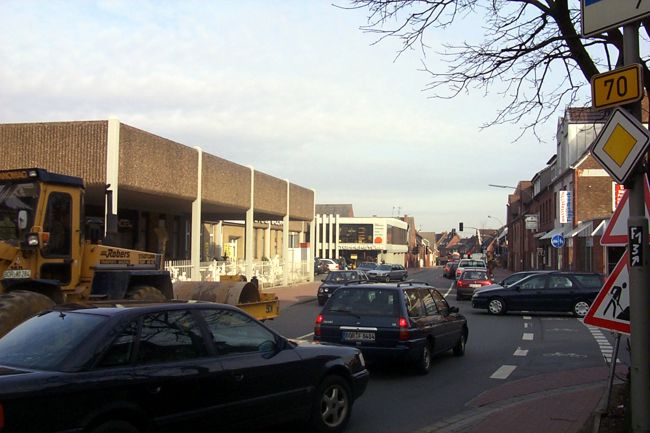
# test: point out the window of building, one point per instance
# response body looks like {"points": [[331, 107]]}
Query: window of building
{"points": [[355, 233]]}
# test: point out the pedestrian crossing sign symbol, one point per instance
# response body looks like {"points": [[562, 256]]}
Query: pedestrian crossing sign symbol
{"points": [[611, 308]]}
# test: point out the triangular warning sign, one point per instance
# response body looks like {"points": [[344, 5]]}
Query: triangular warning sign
{"points": [[616, 230], [611, 308]]}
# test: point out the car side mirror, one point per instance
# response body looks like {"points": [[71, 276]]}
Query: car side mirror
{"points": [[268, 349]]}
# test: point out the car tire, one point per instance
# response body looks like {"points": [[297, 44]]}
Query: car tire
{"points": [[332, 407], [423, 364], [458, 297], [387, 279], [404, 277], [496, 306], [115, 427], [580, 308], [145, 293], [20, 305], [459, 348]]}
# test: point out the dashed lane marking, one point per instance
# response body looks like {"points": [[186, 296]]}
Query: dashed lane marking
{"points": [[603, 343], [528, 336], [503, 372], [528, 318], [520, 352]]}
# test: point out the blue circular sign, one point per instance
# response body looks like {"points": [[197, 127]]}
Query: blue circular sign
{"points": [[557, 241]]}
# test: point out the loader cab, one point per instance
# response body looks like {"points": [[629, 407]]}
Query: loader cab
{"points": [[43, 211]]}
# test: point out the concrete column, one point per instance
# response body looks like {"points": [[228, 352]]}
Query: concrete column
{"points": [[267, 241], [336, 235], [312, 241], [248, 248], [218, 240], [195, 252], [112, 164], [285, 242], [317, 241]]}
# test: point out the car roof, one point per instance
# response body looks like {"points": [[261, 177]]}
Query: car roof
{"points": [[389, 286], [128, 308]]}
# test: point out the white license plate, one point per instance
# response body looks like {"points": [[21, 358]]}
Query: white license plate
{"points": [[358, 336], [17, 273], [475, 286]]}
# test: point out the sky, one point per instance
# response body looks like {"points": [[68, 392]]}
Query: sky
{"points": [[294, 88]]}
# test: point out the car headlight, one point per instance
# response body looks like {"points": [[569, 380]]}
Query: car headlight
{"points": [[320, 290]]}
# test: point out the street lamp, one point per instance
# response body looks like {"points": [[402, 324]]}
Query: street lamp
{"points": [[495, 218]]}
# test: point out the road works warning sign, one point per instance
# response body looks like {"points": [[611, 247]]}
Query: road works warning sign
{"points": [[611, 308], [616, 231]]}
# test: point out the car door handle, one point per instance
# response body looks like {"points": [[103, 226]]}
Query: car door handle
{"points": [[237, 376], [155, 390]]}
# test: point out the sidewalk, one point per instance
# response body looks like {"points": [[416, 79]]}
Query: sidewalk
{"points": [[562, 402]]}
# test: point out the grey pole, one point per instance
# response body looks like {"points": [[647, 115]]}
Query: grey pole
{"points": [[639, 282]]}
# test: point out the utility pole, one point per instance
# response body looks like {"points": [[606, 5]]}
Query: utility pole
{"points": [[639, 282]]}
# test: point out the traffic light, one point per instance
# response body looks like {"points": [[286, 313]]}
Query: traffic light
{"points": [[460, 227]]}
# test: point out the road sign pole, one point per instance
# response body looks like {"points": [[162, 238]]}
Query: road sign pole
{"points": [[639, 282]]}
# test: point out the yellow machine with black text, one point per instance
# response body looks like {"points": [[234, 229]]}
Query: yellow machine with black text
{"points": [[45, 258]]}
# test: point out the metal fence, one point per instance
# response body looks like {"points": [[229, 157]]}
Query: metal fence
{"points": [[269, 273]]}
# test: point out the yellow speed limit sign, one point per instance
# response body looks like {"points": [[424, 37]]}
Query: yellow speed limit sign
{"points": [[617, 87]]}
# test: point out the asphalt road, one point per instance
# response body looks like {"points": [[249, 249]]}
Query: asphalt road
{"points": [[499, 349]]}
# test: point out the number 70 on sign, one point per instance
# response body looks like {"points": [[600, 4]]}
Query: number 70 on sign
{"points": [[617, 87]]}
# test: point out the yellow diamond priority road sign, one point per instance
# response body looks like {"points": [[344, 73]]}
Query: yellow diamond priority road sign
{"points": [[617, 87], [620, 145]]}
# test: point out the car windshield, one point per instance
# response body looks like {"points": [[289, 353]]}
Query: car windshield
{"points": [[512, 279], [590, 281], [15, 197], [473, 264], [338, 277], [45, 341], [474, 275], [359, 301], [367, 265], [385, 267]]}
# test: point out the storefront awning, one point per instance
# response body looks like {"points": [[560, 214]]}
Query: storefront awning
{"points": [[552, 233], [581, 228], [600, 229]]}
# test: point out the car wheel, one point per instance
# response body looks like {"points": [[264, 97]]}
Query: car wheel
{"points": [[496, 306], [387, 279], [333, 406], [458, 297], [404, 277], [580, 308], [423, 364], [115, 427], [459, 348]]}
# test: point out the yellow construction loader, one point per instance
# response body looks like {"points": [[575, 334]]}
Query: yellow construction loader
{"points": [[45, 258]]}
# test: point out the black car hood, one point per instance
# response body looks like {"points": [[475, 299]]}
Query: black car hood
{"points": [[487, 290], [331, 285], [8, 371]]}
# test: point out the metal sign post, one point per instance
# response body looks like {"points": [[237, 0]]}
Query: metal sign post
{"points": [[639, 282]]}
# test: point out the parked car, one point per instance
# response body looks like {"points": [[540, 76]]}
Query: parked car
{"points": [[331, 264], [407, 322], [450, 269], [336, 279], [469, 263], [367, 266], [470, 280], [171, 367], [388, 272], [552, 291], [320, 266], [517, 276]]}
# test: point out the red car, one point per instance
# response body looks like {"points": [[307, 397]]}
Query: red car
{"points": [[470, 280], [449, 269]]}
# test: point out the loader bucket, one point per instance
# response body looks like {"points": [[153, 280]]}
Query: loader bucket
{"points": [[224, 292]]}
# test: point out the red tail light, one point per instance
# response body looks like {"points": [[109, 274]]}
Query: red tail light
{"points": [[319, 320], [460, 283], [2, 417], [403, 329]]}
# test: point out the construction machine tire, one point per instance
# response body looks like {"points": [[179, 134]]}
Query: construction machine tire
{"points": [[20, 305], [145, 293]]}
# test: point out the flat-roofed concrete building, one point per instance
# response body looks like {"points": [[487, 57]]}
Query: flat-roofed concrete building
{"points": [[169, 197]]}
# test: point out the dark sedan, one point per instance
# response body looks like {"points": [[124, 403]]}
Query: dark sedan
{"points": [[169, 367], [405, 321], [336, 279], [552, 291]]}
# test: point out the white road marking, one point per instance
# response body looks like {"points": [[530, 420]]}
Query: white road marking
{"points": [[526, 325], [503, 372], [605, 347], [305, 336], [528, 318], [520, 352], [448, 291], [529, 336]]}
